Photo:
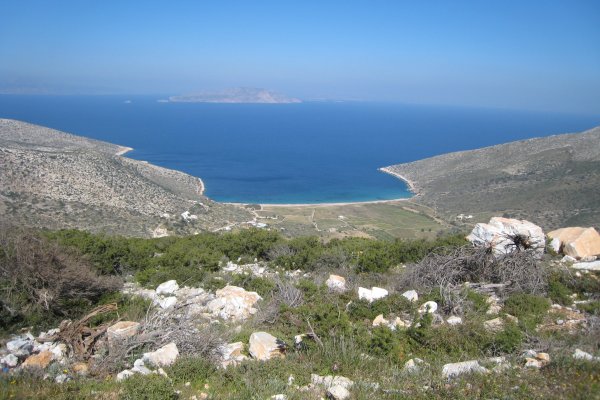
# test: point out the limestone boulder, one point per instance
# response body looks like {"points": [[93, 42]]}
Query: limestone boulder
{"points": [[121, 331], [336, 283], [330, 381], [587, 266], [9, 361], [428, 307], [577, 242], [453, 370], [506, 235], [264, 346], [162, 357], [233, 303], [232, 353], [167, 288], [411, 295], [370, 295], [454, 320], [338, 392], [40, 360]]}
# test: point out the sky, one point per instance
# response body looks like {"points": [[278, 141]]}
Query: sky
{"points": [[535, 55]]}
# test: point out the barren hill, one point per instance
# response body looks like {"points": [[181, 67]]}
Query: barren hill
{"points": [[554, 181], [236, 95], [52, 179]]}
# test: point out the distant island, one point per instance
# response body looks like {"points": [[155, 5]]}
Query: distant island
{"points": [[236, 95]]}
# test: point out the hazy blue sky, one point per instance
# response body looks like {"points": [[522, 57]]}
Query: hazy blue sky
{"points": [[517, 54]]}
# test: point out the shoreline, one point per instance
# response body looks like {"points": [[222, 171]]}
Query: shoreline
{"points": [[123, 150], [409, 183]]}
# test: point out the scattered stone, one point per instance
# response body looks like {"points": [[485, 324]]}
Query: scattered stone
{"points": [[568, 259], [494, 325], [121, 376], [62, 378], [233, 303], [167, 288], [533, 363], [336, 283], [582, 355], [587, 266], [162, 357], [400, 323], [167, 302], [413, 365], [372, 294], [428, 307], [279, 397], [411, 295], [578, 242], [232, 354], [41, 360], [379, 320], [329, 381], [499, 235], [264, 346], [338, 392], [139, 367], [555, 245], [121, 330], [536, 360], [20, 347], [10, 361], [454, 320], [455, 369], [80, 368]]}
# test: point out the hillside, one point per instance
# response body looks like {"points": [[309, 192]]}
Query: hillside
{"points": [[554, 181], [54, 180], [236, 95]]}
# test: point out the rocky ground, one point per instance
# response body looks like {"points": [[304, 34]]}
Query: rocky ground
{"points": [[342, 336]]}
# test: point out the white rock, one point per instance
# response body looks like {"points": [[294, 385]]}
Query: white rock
{"points": [[428, 307], [533, 363], [555, 245], [167, 302], [10, 361], [336, 283], [329, 381], [338, 393], [121, 376], [62, 378], [162, 357], [232, 353], [413, 365], [494, 325], [20, 346], [455, 369], [264, 346], [279, 397], [411, 295], [122, 330], [372, 294], [582, 355], [588, 266], [454, 320], [498, 232], [233, 303], [139, 367], [568, 259], [167, 288]]}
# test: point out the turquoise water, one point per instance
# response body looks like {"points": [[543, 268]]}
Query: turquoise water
{"points": [[288, 153]]}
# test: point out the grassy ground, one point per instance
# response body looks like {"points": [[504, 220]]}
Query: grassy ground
{"points": [[400, 219]]}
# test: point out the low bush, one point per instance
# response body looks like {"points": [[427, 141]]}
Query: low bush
{"points": [[528, 308]]}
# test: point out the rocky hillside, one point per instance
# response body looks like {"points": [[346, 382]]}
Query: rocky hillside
{"points": [[54, 180], [553, 180]]}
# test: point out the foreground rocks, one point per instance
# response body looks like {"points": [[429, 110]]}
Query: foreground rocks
{"points": [[264, 346], [506, 235], [579, 243]]}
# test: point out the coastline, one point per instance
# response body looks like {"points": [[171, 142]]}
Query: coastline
{"points": [[409, 183], [123, 150]]}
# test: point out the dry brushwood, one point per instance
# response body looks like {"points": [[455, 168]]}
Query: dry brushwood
{"points": [[446, 270], [79, 336]]}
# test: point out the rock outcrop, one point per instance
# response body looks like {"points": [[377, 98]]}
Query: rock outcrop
{"points": [[506, 235], [576, 242], [264, 346]]}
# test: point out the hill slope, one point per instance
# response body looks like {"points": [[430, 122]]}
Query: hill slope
{"points": [[236, 95], [52, 179], [554, 181]]}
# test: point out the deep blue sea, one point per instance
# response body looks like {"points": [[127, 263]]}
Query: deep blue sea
{"points": [[287, 153]]}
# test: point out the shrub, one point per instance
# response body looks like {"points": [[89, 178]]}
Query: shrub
{"points": [[528, 308], [148, 387], [42, 282]]}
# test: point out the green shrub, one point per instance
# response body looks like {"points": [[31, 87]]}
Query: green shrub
{"points": [[529, 309], [558, 290], [148, 387], [507, 341], [191, 369]]}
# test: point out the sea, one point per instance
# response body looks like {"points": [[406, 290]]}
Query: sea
{"points": [[312, 152]]}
